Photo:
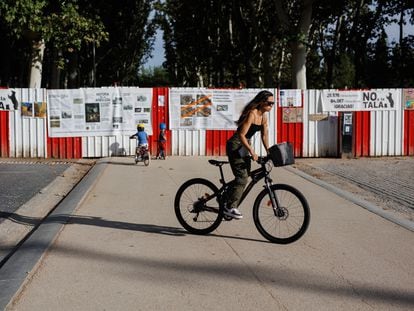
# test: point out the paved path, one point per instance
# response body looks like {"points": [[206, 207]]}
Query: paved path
{"points": [[122, 249]]}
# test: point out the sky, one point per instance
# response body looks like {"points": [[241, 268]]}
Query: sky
{"points": [[158, 53]]}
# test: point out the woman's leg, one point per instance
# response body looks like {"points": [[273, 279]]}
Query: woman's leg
{"points": [[240, 168]]}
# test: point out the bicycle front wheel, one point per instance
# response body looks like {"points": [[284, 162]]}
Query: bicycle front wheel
{"points": [[196, 206], [289, 222]]}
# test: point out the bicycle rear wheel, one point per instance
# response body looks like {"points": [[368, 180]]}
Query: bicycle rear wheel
{"points": [[196, 206], [291, 219]]}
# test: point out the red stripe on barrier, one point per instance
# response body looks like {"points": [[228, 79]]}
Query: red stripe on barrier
{"points": [[408, 132], [160, 114], [362, 133], [291, 132], [4, 134], [216, 142]]}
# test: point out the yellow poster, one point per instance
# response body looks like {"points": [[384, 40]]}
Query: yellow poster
{"points": [[40, 109]]}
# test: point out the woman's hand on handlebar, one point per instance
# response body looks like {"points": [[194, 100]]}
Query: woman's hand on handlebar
{"points": [[262, 160], [255, 157]]}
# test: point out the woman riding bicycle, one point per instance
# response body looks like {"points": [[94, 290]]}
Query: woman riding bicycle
{"points": [[239, 151]]}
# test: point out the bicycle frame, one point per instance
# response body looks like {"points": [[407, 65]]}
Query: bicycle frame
{"points": [[255, 175]]}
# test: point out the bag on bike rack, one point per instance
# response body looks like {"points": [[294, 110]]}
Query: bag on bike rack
{"points": [[282, 154]]}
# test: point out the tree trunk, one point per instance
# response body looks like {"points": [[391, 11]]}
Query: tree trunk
{"points": [[400, 51], [298, 65], [38, 48], [280, 66], [298, 45], [331, 59], [299, 48], [73, 77], [55, 71]]}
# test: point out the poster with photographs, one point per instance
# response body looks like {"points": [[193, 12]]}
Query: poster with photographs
{"points": [[201, 108], [136, 108], [40, 109], [290, 98], [94, 112], [27, 109], [409, 99], [292, 115]]}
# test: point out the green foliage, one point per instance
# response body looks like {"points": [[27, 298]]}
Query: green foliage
{"points": [[131, 37], [40, 19], [344, 73], [208, 43], [153, 77], [24, 17], [69, 29]]}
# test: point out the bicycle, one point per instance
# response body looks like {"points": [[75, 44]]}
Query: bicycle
{"points": [[199, 205], [142, 153]]}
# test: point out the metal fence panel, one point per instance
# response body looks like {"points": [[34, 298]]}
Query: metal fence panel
{"points": [[188, 142], [387, 130], [28, 134], [320, 137]]}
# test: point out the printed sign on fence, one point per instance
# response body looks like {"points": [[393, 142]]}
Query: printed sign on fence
{"points": [[409, 99], [372, 100], [290, 98], [210, 109], [103, 111], [9, 100]]}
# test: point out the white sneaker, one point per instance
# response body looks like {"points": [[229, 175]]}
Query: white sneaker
{"points": [[233, 212]]}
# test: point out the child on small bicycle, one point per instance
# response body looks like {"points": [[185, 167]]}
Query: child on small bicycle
{"points": [[162, 141], [142, 138]]}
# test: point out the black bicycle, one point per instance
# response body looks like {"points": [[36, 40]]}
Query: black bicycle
{"points": [[280, 212]]}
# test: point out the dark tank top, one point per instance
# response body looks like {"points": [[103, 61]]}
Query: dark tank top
{"points": [[253, 129]]}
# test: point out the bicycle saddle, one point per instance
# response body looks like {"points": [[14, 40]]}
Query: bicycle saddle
{"points": [[217, 163]]}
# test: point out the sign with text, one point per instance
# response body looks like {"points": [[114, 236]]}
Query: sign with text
{"points": [[210, 109], [94, 112], [9, 100], [373, 100]]}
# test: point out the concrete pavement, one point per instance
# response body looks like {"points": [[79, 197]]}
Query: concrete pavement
{"points": [[123, 249]]}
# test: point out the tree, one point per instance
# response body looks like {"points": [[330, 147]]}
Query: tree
{"points": [[40, 21], [152, 77], [131, 36], [296, 19], [378, 73]]}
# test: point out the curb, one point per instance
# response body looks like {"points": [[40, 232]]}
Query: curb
{"points": [[405, 223], [17, 270]]}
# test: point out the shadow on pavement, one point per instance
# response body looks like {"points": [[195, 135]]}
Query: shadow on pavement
{"points": [[278, 276], [92, 221], [97, 221]]}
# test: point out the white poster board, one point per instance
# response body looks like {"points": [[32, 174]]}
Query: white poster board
{"points": [[9, 100], [209, 109], [290, 98], [97, 112], [372, 100]]}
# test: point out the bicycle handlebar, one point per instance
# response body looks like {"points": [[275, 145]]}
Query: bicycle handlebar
{"points": [[262, 160]]}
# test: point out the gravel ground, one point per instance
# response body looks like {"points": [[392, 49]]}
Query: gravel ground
{"points": [[387, 182]]}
